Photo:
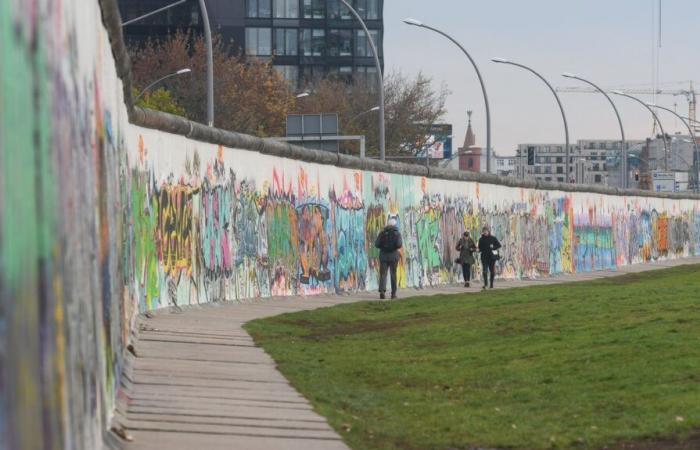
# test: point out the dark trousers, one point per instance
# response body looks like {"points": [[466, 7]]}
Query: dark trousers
{"points": [[467, 272], [385, 266], [489, 270]]}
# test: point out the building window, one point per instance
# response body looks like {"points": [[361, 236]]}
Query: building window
{"points": [[312, 74], [363, 47], [340, 43], [286, 41], [560, 179], [538, 169], [341, 73], [598, 179], [596, 167], [338, 11], [290, 73], [560, 169], [258, 8], [367, 9], [548, 179], [313, 42], [470, 163], [258, 41], [547, 169], [560, 160], [286, 9], [314, 9]]}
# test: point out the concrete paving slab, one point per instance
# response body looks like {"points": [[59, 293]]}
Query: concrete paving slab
{"points": [[199, 382]]}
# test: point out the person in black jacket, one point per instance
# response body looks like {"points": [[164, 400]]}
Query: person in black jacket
{"points": [[488, 246], [388, 242]]}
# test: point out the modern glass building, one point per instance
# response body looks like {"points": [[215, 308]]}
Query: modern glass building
{"points": [[307, 39]]}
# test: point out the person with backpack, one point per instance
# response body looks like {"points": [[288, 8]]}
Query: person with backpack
{"points": [[388, 242], [466, 248], [488, 246]]}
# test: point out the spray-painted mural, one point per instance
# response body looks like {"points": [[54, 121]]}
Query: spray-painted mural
{"points": [[241, 224], [101, 219]]}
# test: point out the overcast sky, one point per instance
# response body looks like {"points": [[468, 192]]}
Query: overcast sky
{"points": [[607, 41]]}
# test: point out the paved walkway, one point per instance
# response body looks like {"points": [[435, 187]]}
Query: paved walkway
{"points": [[199, 382]]}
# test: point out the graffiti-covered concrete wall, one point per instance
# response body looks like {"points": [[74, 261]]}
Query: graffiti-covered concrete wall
{"points": [[107, 210], [212, 223]]}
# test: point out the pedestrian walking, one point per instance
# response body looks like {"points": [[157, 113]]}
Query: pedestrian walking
{"points": [[466, 248], [488, 247], [388, 242]]}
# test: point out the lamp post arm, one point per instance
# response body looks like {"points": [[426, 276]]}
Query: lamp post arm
{"points": [[129, 22], [147, 88], [380, 80], [483, 90], [623, 151], [695, 144], [561, 108], [656, 118]]}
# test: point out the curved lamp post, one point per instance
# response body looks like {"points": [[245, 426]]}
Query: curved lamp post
{"points": [[380, 80], [417, 23], [656, 118], [174, 74], [695, 143], [210, 64], [623, 152], [556, 96], [376, 108]]}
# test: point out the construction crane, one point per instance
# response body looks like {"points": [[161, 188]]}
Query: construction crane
{"points": [[690, 95]]}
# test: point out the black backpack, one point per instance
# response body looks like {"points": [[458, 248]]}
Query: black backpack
{"points": [[388, 241]]}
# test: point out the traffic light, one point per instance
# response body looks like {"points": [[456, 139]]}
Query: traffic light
{"points": [[531, 156]]}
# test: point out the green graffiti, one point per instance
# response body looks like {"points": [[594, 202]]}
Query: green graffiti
{"points": [[428, 231], [282, 241], [145, 253]]}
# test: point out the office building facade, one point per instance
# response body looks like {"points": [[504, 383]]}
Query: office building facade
{"points": [[590, 162], [307, 39]]}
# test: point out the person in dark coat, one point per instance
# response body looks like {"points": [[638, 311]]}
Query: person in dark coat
{"points": [[488, 247], [466, 248], [388, 242]]}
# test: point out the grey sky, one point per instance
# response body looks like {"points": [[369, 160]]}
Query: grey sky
{"points": [[606, 41]]}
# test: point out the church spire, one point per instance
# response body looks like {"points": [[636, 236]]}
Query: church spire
{"points": [[470, 139]]}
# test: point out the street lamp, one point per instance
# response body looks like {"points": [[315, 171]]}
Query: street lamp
{"points": [[656, 118], [174, 74], [376, 108], [210, 51], [695, 143], [380, 80], [556, 96], [417, 23], [623, 167]]}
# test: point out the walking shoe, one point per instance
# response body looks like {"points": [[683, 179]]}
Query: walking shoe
{"points": [[393, 296], [466, 284], [382, 296]]}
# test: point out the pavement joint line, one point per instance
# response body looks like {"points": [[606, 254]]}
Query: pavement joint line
{"points": [[274, 406], [138, 383], [194, 343], [221, 433], [219, 416], [246, 363], [274, 427], [138, 398]]}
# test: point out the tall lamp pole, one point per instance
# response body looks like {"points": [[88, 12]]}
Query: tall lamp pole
{"points": [[210, 64], [695, 143], [380, 80], [623, 152], [417, 23], [656, 118], [556, 96]]}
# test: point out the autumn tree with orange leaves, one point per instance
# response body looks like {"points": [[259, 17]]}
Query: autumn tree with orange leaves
{"points": [[249, 96]]}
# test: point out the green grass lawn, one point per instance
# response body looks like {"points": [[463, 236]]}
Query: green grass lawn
{"points": [[579, 365]]}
